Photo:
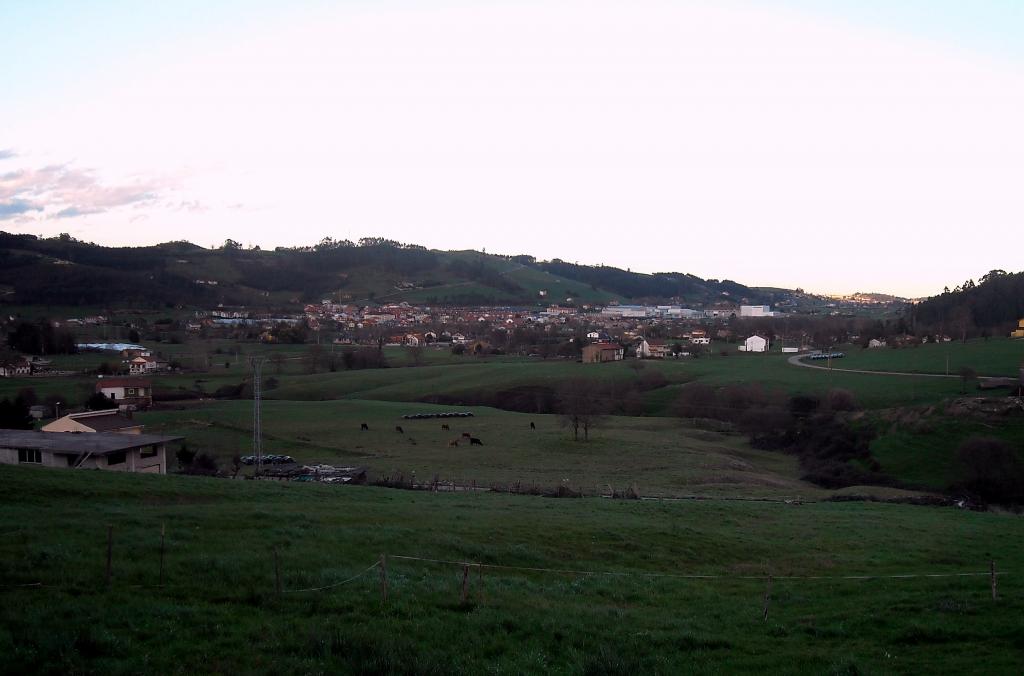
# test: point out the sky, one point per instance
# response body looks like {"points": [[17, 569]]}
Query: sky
{"points": [[859, 145]]}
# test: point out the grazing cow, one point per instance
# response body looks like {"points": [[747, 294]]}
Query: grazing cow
{"points": [[364, 427], [532, 426], [398, 428], [465, 435], [453, 443], [445, 427], [473, 441]]}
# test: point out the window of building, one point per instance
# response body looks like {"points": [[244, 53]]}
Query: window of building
{"points": [[131, 390], [148, 452], [33, 455], [117, 458]]}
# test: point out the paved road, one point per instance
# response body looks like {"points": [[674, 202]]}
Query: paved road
{"points": [[795, 360]]}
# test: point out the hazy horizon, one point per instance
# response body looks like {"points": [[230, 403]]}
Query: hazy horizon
{"points": [[840, 147]]}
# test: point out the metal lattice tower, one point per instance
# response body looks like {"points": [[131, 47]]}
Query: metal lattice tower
{"points": [[257, 414]]}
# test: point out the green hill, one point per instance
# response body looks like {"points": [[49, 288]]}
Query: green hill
{"points": [[63, 271]]}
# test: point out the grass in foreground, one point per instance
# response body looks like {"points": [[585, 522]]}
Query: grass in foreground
{"points": [[218, 612]]}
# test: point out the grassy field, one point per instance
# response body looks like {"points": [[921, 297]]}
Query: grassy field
{"points": [[218, 612], [771, 371], [994, 357], [661, 456], [924, 453], [226, 363]]}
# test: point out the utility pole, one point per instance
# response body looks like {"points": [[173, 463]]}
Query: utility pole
{"points": [[257, 415]]}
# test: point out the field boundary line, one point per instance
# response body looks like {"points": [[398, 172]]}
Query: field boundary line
{"points": [[568, 571]]}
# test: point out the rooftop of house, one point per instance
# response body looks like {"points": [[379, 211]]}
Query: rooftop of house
{"points": [[99, 443], [122, 382], [103, 421]]}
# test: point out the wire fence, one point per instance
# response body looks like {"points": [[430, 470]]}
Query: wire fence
{"points": [[381, 565]]}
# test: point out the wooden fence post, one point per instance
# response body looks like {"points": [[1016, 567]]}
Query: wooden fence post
{"points": [[277, 573], [465, 583], [163, 533], [992, 576], [384, 578], [767, 596], [110, 552], [480, 581]]}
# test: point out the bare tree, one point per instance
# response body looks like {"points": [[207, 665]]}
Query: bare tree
{"points": [[580, 407]]}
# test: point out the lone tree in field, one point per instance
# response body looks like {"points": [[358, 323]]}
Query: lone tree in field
{"points": [[580, 407]]}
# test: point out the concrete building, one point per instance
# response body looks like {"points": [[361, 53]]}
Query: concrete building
{"points": [[102, 450], [596, 353], [756, 311]]}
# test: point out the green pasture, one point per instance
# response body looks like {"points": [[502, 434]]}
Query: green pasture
{"points": [[660, 456], [993, 357], [924, 452], [218, 612], [472, 377]]}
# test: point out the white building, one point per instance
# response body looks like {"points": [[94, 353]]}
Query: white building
{"points": [[756, 311], [754, 344]]}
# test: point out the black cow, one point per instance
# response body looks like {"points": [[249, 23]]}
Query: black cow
{"points": [[364, 427], [398, 428], [445, 427], [532, 426], [473, 441]]}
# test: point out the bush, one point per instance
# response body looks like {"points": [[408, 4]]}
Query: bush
{"points": [[99, 402], [839, 399], [992, 470], [185, 456]]}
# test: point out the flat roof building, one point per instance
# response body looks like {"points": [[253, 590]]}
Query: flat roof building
{"points": [[97, 450]]}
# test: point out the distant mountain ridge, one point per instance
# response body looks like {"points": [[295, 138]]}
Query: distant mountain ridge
{"points": [[65, 271]]}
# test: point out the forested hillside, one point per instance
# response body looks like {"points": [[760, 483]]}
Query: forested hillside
{"points": [[994, 303], [65, 271]]}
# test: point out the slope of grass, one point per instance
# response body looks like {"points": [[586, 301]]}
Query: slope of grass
{"points": [[218, 613], [925, 453], [661, 456], [771, 371], [994, 357]]}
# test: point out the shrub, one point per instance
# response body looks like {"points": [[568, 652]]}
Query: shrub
{"points": [[839, 399], [992, 470]]}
